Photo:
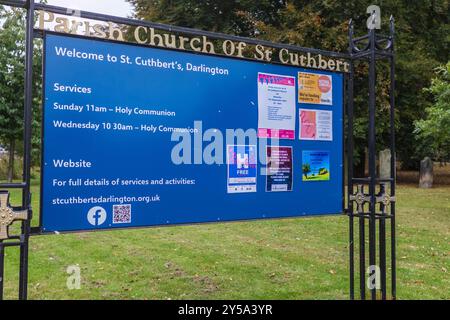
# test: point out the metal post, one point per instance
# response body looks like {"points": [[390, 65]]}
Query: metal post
{"points": [[23, 278], [371, 50], [372, 155], [393, 167], [350, 182], [382, 244], [351, 231], [2, 269], [362, 258], [361, 218]]}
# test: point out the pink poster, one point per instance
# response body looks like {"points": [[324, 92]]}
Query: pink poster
{"points": [[307, 125]]}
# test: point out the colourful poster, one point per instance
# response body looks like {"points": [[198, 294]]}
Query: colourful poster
{"points": [[279, 169], [315, 88], [316, 165], [316, 125], [276, 106], [242, 168], [307, 124]]}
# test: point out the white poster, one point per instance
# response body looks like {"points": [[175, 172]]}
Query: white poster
{"points": [[316, 125], [324, 125], [276, 106]]}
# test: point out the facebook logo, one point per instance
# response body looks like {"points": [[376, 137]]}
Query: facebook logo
{"points": [[96, 216]]}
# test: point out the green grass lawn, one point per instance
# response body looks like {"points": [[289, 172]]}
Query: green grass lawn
{"points": [[304, 258]]}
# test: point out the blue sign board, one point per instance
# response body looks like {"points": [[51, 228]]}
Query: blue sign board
{"points": [[138, 136]]}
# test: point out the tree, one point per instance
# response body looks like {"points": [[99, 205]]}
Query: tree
{"points": [[422, 43], [433, 132], [306, 168], [234, 16], [12, 72]]}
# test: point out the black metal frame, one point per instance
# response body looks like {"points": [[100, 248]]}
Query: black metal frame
{"points": [[22, 240], [373, 50]]}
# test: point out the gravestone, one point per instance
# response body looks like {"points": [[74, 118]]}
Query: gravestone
{"points": [[385, 164], [426, 173]]}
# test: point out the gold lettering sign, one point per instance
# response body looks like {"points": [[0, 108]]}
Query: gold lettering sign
{"points": [[156, 38]]}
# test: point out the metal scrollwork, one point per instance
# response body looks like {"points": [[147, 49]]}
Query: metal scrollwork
{"points": [[365, 41], [384, 198], [360, 198], [8, 215]]}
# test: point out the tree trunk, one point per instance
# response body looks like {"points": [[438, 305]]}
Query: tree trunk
{"points": [[12, 146]]}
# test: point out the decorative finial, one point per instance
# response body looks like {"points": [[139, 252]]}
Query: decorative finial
{"points": [[350, 29], [392, 27]]}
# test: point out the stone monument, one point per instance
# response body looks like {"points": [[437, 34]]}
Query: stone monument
{"points": [[385, 164], [426, 173]]}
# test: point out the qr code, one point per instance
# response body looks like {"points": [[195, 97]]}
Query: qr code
{"points": [[122, 213]]}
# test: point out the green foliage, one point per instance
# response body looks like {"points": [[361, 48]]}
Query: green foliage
{"points": [[422, 43], [306, 168], [12, 73], [433, 132], [234, 17]]}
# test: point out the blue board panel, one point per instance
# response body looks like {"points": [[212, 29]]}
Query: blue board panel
{"points": [[107, 164]]}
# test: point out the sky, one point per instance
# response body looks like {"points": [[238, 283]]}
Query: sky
{"points": [[119, 8]]}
